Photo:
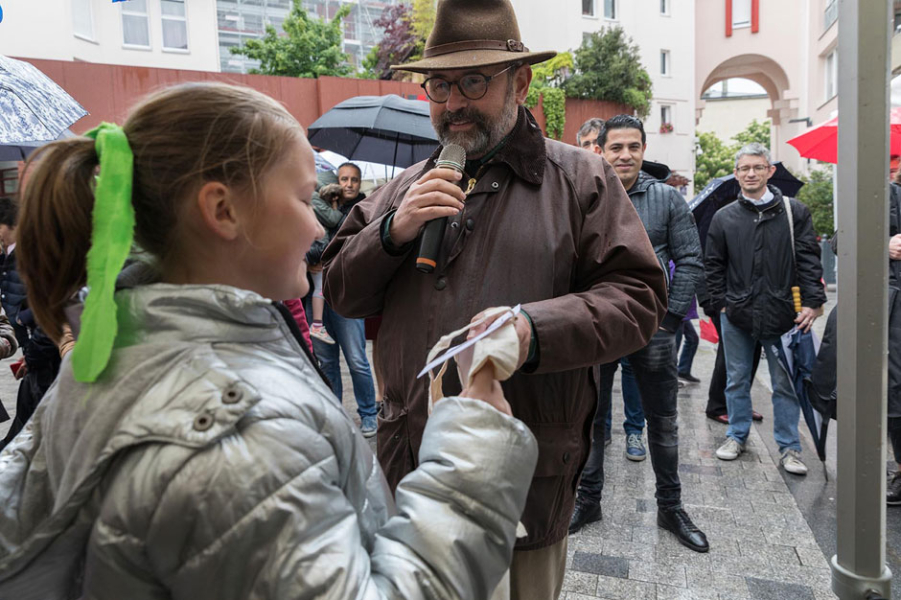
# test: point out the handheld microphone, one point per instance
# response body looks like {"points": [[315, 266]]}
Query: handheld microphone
{"points": [[451, 157]]}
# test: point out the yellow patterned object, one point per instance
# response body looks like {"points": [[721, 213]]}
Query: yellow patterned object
{"points": [[796, 296]]}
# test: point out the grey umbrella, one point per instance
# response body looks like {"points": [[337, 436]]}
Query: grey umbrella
{"points": [[381, 129], [32, 107]]}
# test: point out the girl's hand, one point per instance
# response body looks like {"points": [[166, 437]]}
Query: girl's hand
{"points": [[486, 388]]}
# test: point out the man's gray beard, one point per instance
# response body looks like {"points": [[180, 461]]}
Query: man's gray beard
{"points": [[484, 136]]}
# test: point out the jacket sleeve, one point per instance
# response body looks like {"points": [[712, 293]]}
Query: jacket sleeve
{"points": [[357, 265], [716, 259], [7, 333], [685, 251], [807, 255], [619, 289], [328, 216], [451, 537]]}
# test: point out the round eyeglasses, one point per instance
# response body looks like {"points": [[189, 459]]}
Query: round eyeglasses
{"points": [[473, 86]]}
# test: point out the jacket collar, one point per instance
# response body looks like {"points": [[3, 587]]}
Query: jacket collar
{"points": [[776, 201], [524, 152], [643, 182]]}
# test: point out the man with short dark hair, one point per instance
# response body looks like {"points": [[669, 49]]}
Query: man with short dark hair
{"points": [[758, 248], [587, 137], [541, 224], [674, 236], [349, 334]]}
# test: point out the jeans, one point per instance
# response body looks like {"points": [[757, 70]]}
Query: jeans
{"points": [[738, 346], [655, 374], [689, 349], [716, 393], [350, 338], [634, 423]]}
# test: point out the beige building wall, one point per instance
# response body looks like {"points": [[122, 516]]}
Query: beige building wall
{"points": [[728, 116], [791, 57], [92, 30]]}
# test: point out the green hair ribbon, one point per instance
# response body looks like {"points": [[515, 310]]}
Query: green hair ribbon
{"points": [[113, 220]]}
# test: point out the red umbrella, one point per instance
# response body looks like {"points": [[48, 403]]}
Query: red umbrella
{"points": [[821, 142]]}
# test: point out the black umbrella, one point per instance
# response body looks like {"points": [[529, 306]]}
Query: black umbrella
{"points": [[381, 129], [20, 150], [724, 190]]}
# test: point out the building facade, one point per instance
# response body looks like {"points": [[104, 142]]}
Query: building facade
{"points": [[664, 31], [241, 20], [788, 48], [172, 34]]}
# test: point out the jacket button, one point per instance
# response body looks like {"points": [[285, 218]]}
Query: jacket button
{"points": [[565, 457], [232, 395], [454, 225], [441, 283], [470, 224], [495, 185], [203, 422]]}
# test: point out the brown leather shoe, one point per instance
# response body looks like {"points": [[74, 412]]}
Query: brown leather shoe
{"points": [[756, 416], [724, 419]]}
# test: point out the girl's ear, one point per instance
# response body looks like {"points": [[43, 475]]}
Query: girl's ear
{"points": [[218, 211]]}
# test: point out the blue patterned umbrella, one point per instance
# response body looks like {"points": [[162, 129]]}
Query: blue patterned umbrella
{"points": [[32, 107]]}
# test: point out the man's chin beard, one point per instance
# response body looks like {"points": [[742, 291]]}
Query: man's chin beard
{"points": [[475, 142]]}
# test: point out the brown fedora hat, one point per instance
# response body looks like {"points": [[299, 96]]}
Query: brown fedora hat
{"points": [[473, 33]]}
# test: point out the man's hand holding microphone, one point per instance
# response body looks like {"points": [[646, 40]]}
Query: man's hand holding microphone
{"points": [[435, 195]]}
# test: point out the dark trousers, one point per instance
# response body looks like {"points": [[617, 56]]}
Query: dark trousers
{"points": [[655, 372], [689, 335], [716, 393], [894, 436], [31, 390]]}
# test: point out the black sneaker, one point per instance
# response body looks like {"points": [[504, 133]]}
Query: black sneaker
{"points": [[677, 522], [584, 514], [688, 378], [893, 490]]}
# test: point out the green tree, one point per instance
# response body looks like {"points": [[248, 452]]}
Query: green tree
{"points": [[608, 67], [714, 159], [546, 79], [309, 48], [397, 44], [817, 195], [423, 21], [755, 132]]}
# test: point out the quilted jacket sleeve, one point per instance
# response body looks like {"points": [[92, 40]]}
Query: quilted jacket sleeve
{"points": [[452, 535], [685, 250]]}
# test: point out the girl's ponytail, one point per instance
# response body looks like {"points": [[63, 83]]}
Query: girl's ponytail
{"points": [[54, 231]]}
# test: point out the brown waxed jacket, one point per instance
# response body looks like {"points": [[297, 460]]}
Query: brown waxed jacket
{"points": [[547, 225]]}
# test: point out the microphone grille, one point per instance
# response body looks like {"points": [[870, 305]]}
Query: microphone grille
{"points": [[452, 157]]}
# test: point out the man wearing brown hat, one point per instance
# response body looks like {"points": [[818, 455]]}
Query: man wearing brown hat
{"points": [[541, 224]]}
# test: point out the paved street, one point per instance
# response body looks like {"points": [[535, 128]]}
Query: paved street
{"points": [[770, 532]]}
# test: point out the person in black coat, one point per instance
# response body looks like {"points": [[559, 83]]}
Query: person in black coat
{"points": [[41, 354], [758, 249]]}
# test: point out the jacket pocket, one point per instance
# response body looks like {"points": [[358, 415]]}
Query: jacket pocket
{"points": [[740, 310], [394, 449], [778, 314]]}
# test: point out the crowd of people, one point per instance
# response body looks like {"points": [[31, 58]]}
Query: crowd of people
{"points": [[192, 442]]}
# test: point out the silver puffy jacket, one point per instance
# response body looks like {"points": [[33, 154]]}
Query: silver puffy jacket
{"points": [[212, 461]]}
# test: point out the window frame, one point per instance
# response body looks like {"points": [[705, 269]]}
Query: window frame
{"points": [[126, 9], [742, 24], [666, 63], [90, 11], [667, 108], [594, 10], [614, 4], [665, 6], [184, 19], [830, 72]]}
